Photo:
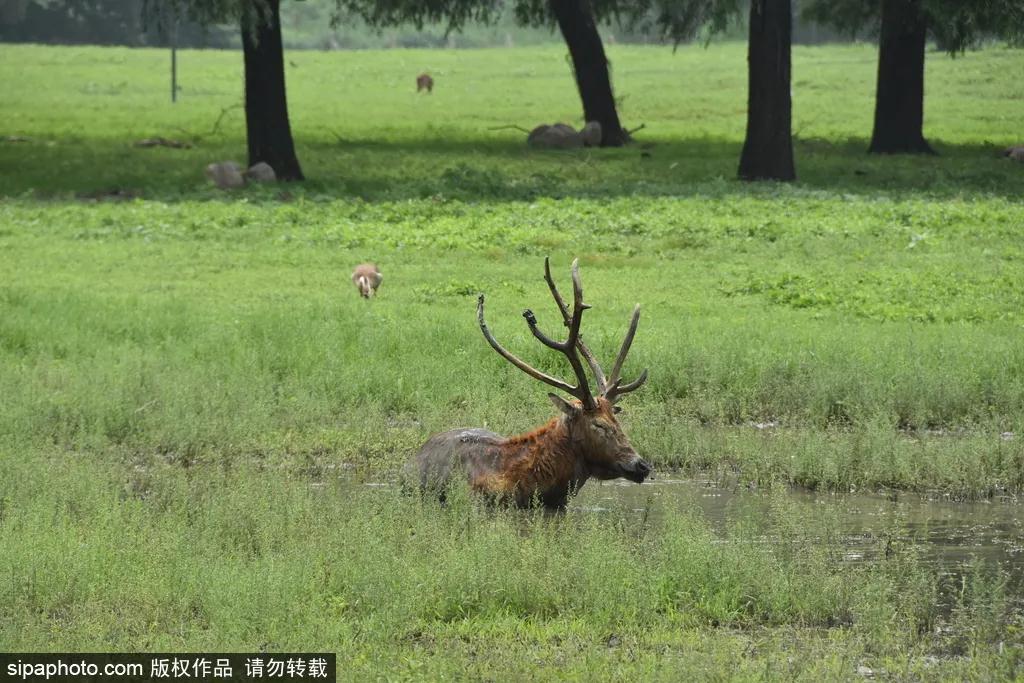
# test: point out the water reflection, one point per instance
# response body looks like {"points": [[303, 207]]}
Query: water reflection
{"points": [[951, 534]]}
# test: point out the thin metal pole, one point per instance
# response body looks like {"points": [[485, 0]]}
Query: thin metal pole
{"points": [[174, 61]]}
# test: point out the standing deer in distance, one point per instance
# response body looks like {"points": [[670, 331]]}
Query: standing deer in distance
{"points": [[424, 82], [367, 278], [552, 462]]}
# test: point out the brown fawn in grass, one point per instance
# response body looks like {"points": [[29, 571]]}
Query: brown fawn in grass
{"points": [[367, 278], [424, 82], [552, 462]]}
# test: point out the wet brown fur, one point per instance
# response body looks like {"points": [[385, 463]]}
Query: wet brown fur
{"points": [[533, 462]]}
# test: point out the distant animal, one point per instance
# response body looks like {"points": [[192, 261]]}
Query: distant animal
{"points": [[424, 82], [367, 278], [226, 175], [229, 175], [1016, 153], [549, 464], [558, 136], [261, 172], [591, 134]]}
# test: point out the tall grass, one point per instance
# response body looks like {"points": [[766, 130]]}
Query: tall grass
{"points": [[176, 349], [211, 558]]}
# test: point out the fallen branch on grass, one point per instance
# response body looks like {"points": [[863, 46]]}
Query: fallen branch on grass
{"points": [[509, 126], [163, 142]]}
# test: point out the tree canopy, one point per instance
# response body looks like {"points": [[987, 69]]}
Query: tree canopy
{"points": [[956, 25], [671, 20]]}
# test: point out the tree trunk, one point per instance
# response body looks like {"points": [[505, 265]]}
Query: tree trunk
{"points": [[768, 149], [576, 21], [899, 103], [266, 107]]}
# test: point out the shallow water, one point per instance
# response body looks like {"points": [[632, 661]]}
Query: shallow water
{"points": [[951, 534]]}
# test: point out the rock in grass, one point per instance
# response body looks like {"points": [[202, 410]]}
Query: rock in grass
{"points": [[261, 172], [226, 175]]}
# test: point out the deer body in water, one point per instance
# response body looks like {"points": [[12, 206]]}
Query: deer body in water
{"points": [[550, 463]]}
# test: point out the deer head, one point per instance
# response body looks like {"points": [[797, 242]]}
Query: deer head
{"points": [[594, 430]]}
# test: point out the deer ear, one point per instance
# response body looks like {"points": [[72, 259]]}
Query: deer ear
{"points": [[569, 409]]}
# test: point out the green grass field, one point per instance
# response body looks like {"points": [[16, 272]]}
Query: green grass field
{"points": [[189, 382]]}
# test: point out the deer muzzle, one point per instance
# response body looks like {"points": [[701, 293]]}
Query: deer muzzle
{"points": [[636, 470]]}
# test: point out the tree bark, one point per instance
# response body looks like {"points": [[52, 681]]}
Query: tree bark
{"points": [[899, 102], [590, 66], [768, 149], [266, 106]]}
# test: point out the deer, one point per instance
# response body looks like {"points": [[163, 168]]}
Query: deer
{"points": [[1016, 152], [367, 278], [424, 82], [551, 463]]}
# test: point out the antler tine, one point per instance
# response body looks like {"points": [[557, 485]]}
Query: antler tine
{"points": [[626, 343], [615, 386], [569, 346], [529, 370], [618, 389], [577, 306], [574, 335], [554, 291], [595, 367]]}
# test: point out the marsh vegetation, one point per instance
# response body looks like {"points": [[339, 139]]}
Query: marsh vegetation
{"points": [[193, 393]]}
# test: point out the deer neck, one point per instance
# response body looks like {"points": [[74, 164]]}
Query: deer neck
{"points": [[544, 459]]}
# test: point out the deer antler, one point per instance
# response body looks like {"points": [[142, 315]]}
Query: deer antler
{"points": [[614, 388], [567, 318], [522, 365], [568, 347], [610, 387]]}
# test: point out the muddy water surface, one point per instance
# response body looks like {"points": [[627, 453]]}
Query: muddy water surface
{"points": [[950, 533]]}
